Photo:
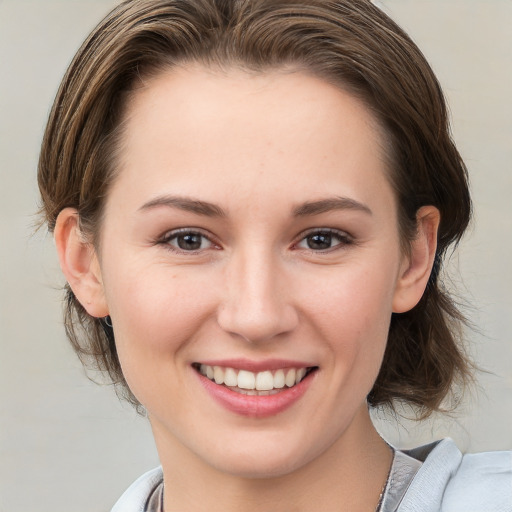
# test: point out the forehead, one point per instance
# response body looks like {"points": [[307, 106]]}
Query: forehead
{"points": [[197, 94], [191, 125]]}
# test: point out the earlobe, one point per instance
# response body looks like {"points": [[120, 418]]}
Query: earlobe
{"points": [[79, 263], [417, 266]]}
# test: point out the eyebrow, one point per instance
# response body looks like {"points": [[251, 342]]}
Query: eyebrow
{"points": [[329, 204], [187, 204], [212, 210]]}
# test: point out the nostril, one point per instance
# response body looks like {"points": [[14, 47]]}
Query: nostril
{"points": [[257, 324]]}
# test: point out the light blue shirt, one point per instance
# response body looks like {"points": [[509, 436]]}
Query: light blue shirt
{"points": [[443, 480]]}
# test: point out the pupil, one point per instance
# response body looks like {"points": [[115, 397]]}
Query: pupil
{"points": [[189, 242], [319, 241]]}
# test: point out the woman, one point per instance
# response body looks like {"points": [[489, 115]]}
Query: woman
{"points": [[251, 201]]}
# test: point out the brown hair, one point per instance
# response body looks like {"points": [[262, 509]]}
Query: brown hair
{"points": [[348, 42]]}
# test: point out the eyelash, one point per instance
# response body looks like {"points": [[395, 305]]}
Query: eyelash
{"points": [[343, 238], [176, 234]]}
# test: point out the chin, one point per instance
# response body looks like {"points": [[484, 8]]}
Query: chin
{"points": [[259, 467], [261, 460]]}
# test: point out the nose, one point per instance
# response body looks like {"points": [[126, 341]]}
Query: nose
{"points": [[256, 305]]}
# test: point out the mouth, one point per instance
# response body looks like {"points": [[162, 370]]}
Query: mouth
{"points": [[262, 383]]}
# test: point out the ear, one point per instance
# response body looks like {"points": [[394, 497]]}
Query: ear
{"points": [[416, 269], [79, 263]]}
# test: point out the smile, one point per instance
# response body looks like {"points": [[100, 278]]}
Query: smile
{"points": [[263, 383]]}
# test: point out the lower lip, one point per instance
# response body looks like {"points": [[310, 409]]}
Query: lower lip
{"points": [[256, 406]]}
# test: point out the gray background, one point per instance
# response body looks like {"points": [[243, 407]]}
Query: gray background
{"points": [[67, 444]]}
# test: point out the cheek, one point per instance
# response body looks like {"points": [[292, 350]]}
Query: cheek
{"points": [[352, 311], [156, 314], [356, 297]]}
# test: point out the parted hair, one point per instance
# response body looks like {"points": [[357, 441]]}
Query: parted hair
{"points": [[350, 43]]}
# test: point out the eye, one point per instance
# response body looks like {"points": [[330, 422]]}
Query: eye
{"points": [[186, 240], [323, 240]]}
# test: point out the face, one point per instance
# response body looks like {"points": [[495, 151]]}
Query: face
{"points": [[250, 241]]}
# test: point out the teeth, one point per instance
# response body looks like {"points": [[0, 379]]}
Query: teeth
{"points": [[264, 381], [290, 378], [230, 377], [254, 392], [250, 383], [300, 375], [246, 380], [279, 380], [218, 375]]}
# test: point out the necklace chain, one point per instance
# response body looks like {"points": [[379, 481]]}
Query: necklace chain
{"points": [[377, 509]]}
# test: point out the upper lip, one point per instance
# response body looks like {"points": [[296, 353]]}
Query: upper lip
{"points": [[256, 366]]}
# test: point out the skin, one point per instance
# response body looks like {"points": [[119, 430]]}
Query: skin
{"points": [[259, 148]]}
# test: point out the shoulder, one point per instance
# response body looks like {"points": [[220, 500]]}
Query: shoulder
{"points": [[451, 482], [134, 499], [483, 481]]}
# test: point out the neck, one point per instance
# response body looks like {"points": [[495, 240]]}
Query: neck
{"points": [[348, 476]]}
